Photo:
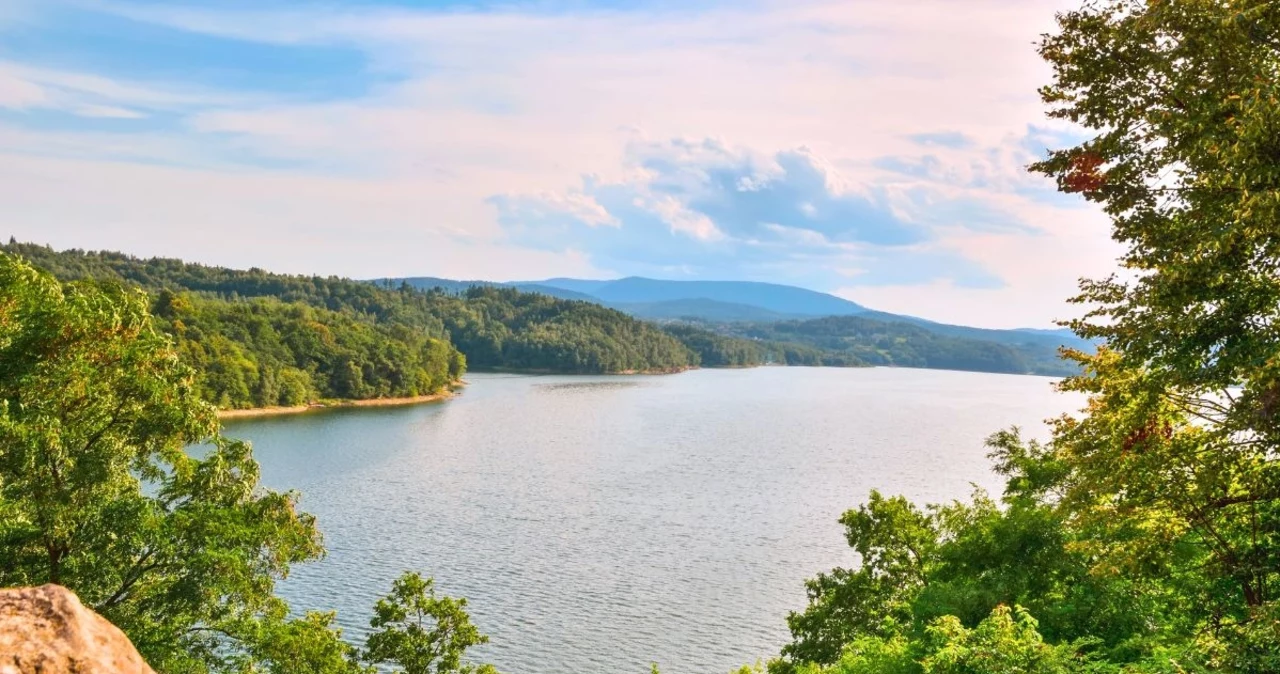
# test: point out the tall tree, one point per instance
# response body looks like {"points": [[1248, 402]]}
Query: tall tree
{"points": [[1149, 528], [421, 632], [1177, 455], [98, 492]]}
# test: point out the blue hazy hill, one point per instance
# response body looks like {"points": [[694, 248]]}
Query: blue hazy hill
{"points": [[726, 303], [771, 297]]}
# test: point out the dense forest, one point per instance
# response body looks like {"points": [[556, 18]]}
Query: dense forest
{"points": [[896, 344], [504, 328], [262, 352], [714, 350], [261, 339], [390, 340], [845, 341]]}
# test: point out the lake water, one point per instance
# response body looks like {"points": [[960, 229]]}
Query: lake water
{"points": [[597, 524]]}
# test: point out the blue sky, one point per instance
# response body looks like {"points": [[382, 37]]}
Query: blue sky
{"points": [[868, 148]]}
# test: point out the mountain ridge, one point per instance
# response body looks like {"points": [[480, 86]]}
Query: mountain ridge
{"points": [[775, 297], [752, 309], [497, 326], [690, 299]]}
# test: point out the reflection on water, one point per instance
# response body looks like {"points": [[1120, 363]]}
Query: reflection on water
{"points": [[589, 386], [597, 524]]}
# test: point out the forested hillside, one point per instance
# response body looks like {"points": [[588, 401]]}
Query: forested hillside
{"points": [[262, 352], [261, 339], [507, 329], [854, 340], [397, 340], [458, 287], [799, 333]]}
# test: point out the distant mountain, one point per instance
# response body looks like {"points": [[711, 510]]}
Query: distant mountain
{"points": [[1059, 332], [787, 313], [744, 302], [1018, 337], [703, 310], [781, 299], [656, 299], [585, 286]]}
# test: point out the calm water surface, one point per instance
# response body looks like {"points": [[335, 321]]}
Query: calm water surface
{"points": [[597, 524]]}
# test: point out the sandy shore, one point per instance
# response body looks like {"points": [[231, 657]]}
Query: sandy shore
{"points": [[371, 402]]}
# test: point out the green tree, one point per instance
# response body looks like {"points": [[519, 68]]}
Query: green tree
{"points": [[1149, 527], [274, 644], [961, 562], [1005, 642], [894, 541], [422, 633], [98, 492], [1175, 462]]}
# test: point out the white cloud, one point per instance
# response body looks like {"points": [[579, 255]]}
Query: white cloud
{"points": [[1040, 272], [107, 112], [396, 180], [25, 87], [360, 228], [581, 207], [847, 79], [20, 94], [682, 219]]}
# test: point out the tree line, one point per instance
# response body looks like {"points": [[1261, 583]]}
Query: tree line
{"points": [[494, 328], [856, 341], [259, 339]]}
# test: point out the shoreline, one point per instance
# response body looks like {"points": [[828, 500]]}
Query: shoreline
{"points": [[533, 372], [224, 415]]}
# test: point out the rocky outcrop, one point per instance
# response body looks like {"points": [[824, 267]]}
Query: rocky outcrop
{"points": [[46, 630]]}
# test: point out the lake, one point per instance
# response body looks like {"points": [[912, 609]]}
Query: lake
{"points": [[597, 524]]}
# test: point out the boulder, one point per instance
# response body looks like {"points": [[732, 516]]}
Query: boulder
{"points": [[46, 630]]}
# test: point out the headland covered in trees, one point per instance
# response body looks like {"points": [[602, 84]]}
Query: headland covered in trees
{"points": [[262, 340]]}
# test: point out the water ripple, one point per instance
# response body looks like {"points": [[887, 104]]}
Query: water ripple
{"points": [[604, 523]]}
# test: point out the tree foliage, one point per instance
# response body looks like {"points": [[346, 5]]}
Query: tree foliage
{"points": [[421, 632], [116, 483], [716, 350], [95, 405], [1145, 536], [261, 353], [503, 328], [1179, 445], [958, 563]]}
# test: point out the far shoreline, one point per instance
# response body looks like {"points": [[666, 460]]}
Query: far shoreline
{"points": [[254, 412], [228, 415]]}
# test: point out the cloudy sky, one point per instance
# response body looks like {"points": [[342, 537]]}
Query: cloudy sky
{"points": [[870, 148]]}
